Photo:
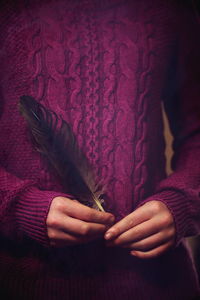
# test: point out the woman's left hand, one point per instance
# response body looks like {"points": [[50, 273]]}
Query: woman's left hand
{"points": [[147, 232]]}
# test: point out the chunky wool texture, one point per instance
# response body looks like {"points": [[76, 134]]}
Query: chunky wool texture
{"points": [[104, 66]]}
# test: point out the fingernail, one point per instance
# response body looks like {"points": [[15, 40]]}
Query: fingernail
{"points": [[108, 235], [133, 253]]}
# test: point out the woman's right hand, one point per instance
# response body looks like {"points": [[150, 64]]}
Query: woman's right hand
{"points": [[71, 223]]}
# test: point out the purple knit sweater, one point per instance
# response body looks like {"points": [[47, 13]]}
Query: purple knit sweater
{"points": [[105, 66]]}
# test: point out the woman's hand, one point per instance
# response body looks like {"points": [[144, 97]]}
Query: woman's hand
{"points": [[147, 232], [70, 223]]}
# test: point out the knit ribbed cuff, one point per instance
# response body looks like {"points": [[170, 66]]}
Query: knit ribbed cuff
{"points": [[32, 207], [178, 205]]}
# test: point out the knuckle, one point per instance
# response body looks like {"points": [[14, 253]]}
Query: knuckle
{"points": [[52, 221], [155, 206], [166, 219], [59, 204], [138, 233], [52, 235], [131, 223], [84, 230]]}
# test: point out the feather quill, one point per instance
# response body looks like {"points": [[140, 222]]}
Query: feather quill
{"points": [[54, 138]]}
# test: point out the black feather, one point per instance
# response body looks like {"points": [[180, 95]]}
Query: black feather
{"points": [[54, 138]]}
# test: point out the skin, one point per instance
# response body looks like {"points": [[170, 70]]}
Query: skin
{"points": [[148, 232], [71, 223]]}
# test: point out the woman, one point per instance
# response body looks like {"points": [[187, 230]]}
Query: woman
{"points": [[104, 67]]}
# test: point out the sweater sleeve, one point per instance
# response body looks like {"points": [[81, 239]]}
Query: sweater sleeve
{"points": [[24, 208], [181, 190]]}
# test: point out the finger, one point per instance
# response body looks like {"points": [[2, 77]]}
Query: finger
{"points": [[154, 252], [142, 231], [139, 216], [152, 210], [82, 228], [76, 227], [58, 238], [136, 233], [82, 212], [151, 242]]}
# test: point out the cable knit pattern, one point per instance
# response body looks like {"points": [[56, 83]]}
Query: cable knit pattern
{"points": [[106, 67]]}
